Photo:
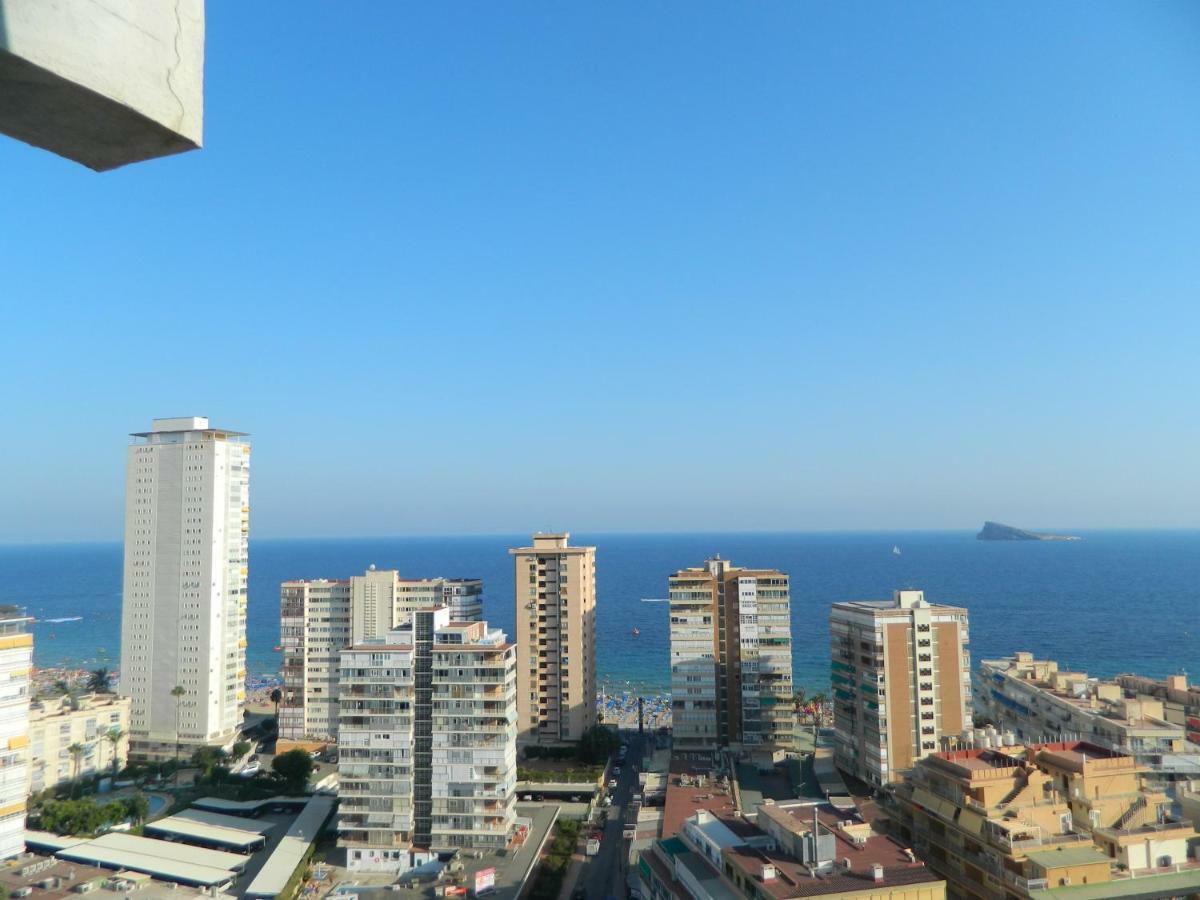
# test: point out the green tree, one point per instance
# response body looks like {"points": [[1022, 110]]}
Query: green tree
{"points": [[596, 745], [240, 749], [137, 808], [100, 681], [76, 751], [206, 759], [177, 692], [114, 736], [276, 698], [293, 769]]}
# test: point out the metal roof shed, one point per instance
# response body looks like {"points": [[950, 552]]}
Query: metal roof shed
{"points": [[290, 852]]}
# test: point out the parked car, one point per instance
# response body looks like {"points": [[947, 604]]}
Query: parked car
{"points": [[252, 768]]}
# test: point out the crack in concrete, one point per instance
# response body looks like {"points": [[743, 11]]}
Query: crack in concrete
{"points": [[178, 63]]}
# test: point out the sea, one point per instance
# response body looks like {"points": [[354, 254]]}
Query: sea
{"points": [[1116, 601]]}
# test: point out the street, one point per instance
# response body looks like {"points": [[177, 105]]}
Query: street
{"points": [[603, 875]]}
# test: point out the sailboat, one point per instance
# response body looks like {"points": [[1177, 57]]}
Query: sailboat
{"points": [[895, 551], [636, 631]]}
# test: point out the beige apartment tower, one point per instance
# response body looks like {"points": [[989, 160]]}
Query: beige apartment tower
{"points": [[556, 639], [731, 657], [901, 677]]}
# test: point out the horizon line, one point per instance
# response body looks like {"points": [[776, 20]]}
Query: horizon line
{"points": [[623, 533]]}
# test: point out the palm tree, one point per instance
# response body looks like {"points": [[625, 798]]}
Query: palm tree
{"points": [[139, 808], [100, 681], [114, 736], [76, 751], [276, 697], [63, 687], [177, 692]]}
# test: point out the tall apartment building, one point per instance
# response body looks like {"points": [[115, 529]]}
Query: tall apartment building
{"points": [[16, 659], [1065, 819], [901, 682], [86, 721], [183, 615], [556, 639], [318, 619], [1040, 702], [427, 743], [731, 657]]}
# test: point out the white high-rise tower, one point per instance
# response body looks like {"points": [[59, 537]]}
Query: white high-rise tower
{"points": [[183, 616]]}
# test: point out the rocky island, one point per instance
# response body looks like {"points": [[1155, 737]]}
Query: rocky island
{"points": [[994, 531]]}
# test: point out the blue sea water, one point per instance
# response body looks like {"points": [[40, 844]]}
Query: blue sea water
{"points": [[1113, 602]]}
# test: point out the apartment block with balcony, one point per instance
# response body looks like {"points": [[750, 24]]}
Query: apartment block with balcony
{"points": [[731, 657], [901, 674], [97, 725], [183, 608], [16, 660], [1038, 702], [427, 742], [1033, 821], [320, 618], [556, 639]]}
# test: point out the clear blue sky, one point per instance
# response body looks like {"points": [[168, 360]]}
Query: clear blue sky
{"points": [[625, 266]]}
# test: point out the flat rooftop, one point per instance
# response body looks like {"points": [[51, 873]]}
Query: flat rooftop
{"points": [[190, 831], [1068, 856], [239, 823], [50, 842], [878, 849], [684, 800], [289, 852], [245, 807], [168, 850], [794, 879], [975, 762], [176, 868], [30, 869]]}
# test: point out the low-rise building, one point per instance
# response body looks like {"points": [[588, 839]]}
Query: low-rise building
{"points": [[75, 736], [1040, 702], [778, 851], [1181, 701], [427, 743], [1023, 820]]}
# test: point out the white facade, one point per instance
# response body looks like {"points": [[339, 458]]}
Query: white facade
{"points": [[16, 659], [731, 657], [427, 743], [693, 660], [319, 619], [183, 622], [314, 629]]}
